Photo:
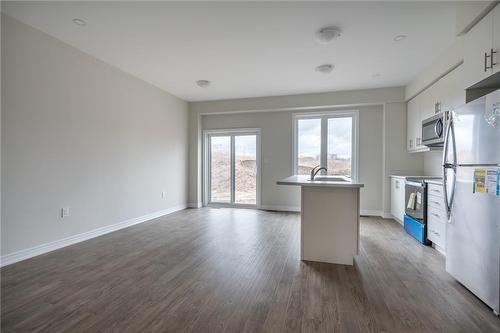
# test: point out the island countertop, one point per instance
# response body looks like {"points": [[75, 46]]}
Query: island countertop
{"points": [[334, 181]]}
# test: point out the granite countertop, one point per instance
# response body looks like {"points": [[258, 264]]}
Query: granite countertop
{"points": [[303, 180]]}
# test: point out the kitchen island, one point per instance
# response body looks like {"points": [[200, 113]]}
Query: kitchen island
{"points": [[329, 218]]}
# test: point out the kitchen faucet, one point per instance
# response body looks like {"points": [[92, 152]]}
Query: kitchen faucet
{"points": [[315, 171]]}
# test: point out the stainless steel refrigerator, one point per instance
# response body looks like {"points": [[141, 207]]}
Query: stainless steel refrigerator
{"points": [[471, 151]]}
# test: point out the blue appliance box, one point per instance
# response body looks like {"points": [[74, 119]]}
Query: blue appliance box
{"points": [[416, 229]]}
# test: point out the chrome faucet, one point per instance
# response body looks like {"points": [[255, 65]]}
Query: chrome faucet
{"points": [[315, 171]]}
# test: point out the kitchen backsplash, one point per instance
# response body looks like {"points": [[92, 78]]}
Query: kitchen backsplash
{"points": [[432, 163]]}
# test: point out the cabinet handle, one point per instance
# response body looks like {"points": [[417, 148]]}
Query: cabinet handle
{"points": [[419, 143], [486, 56], [491, 58], [437, 107], [436, 215], [435, 202]]}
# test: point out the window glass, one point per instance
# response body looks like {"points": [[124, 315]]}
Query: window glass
{"points": [[308, 145], [220, 169], [339, 153]]}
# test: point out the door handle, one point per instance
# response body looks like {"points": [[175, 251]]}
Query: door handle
{"points": [[446, 165]]}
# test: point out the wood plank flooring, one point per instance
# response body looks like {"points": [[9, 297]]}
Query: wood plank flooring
{"points": [[236, 270]]}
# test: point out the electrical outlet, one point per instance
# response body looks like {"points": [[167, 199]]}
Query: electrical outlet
{"points": [[65, 212], [163, 194]]}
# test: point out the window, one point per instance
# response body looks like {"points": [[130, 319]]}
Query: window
{"points": [[326, 139]]}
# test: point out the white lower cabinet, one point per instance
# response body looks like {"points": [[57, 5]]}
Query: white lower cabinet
{"points": [[398, 198], [436, 217]]}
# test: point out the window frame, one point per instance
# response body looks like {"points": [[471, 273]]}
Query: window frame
{"points": [[324, 116]]}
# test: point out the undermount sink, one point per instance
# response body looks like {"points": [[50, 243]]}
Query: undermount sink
{"points": [[330, 179]]}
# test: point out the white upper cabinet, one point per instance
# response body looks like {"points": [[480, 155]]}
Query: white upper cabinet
{"points": [[412, 120], [496, 38], [453, 90], [482, 48], [445, 94], [428, 98], [450, 90]]}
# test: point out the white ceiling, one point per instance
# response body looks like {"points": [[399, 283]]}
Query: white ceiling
{"points": [[250, 49]]}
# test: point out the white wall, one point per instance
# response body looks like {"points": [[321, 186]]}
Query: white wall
{"points": [[77, 132], [382, 139], [277, 151], [397, 159], [433, 163]]}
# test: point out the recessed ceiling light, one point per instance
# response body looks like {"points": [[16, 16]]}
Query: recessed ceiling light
{"points": [[325, 69], [203, 83], [79, 22], [399, 38], [327, 34]]}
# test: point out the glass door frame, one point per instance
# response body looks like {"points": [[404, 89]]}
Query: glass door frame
{"points": [[206, 151]]}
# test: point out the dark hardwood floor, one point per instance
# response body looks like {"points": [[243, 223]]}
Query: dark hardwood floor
{"points": [[230, 270]]}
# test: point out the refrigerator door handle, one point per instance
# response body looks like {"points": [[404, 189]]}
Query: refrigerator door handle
{"points": [[446, 165]]}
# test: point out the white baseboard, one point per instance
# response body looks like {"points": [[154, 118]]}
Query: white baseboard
{"points": [[386, 215], [14, 257], [439, 249], [363, 212], [370, 212], [281, 208], [195, 204]]}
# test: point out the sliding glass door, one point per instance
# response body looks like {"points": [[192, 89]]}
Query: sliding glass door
{"points": [[232, 167]]}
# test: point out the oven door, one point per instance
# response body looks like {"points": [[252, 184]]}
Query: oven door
{"points": [[414, 200], [433, 130]]}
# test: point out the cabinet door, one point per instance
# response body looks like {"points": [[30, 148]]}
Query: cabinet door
{"points": [[496, 38], [478, 41], [455, 96], [425, 102], [411, 120], [394, 196], [401, 199], [397, 198], [428, 98]]}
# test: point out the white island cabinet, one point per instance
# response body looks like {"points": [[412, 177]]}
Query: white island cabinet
{"points": [[329, 218]]}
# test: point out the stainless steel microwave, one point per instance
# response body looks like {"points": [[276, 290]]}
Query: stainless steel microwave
{"points": [[433, 129]]}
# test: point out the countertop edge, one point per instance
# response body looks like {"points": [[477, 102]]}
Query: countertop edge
{"points": [[297, 182]]}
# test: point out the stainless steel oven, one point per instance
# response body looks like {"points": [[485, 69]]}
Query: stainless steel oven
{"points": [[433, 129], [415, 199]]}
